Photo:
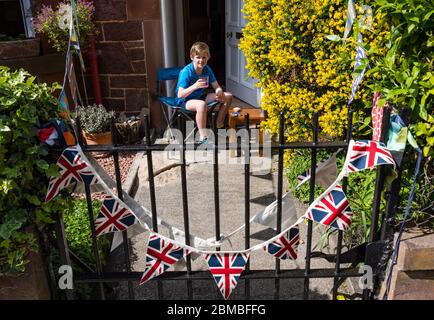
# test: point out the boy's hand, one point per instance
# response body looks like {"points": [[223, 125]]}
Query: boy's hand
{"points": [[201, 84], [219, 94]]}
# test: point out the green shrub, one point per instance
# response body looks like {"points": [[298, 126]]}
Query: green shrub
{"points": [[24, 166], [407, 78], [78, 233], [360, 194]]}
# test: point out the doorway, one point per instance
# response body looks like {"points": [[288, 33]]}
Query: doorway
{"points": [[204, 20], [219, 23]]}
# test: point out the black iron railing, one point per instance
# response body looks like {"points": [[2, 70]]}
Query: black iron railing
{"points": [[337, 273]]}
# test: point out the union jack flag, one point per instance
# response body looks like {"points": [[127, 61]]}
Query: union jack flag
{"points": [[161, 254], [73, 168], [113, 216], [333, 209], [283, 248], [226, 269], [366, 154]]}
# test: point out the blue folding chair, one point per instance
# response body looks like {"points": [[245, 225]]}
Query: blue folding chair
{"points": [[169, 103]]}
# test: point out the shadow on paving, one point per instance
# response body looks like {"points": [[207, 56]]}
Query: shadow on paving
{"points": [[247, 289], [253, 289]]}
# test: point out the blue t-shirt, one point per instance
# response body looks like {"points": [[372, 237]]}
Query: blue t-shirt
{"points": [[188, 76]]}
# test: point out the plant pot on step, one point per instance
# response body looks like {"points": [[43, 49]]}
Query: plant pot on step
{"points": [[92, 139]]}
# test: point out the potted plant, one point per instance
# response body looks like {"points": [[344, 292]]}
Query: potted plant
{"points": [[54, 23], [130, 128], [95, 123]]}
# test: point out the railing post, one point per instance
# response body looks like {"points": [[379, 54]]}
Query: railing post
{"points": [[62, 244], [121, 197], [216, 179], [279, 196], [181, 122], [340, 232], [311, 199], [247, 198], [152, 191]]}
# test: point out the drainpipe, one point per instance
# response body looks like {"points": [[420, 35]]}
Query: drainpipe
{"points": [[94, 69], [170, 50]]}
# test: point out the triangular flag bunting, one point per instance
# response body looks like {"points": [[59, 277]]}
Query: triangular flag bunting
{"points": [[286, 246], [366, 154], [268, 216], [226, 268], [325, 173], [113, 216], [160, 255], [331, 209], [73, 168]]}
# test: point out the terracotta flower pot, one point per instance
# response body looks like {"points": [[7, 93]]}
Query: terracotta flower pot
{"points": [[104, 138]]}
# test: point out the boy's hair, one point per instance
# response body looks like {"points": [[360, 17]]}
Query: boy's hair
{"points": [[198, 48]]}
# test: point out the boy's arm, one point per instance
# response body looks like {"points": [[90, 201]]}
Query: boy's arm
{"points": [[218, 90], [185, 92]]}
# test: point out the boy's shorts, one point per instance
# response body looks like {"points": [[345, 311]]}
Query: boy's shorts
{"points": [[183, 102]]}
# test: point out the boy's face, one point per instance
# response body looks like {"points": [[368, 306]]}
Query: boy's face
{"points": [[200, 59]]}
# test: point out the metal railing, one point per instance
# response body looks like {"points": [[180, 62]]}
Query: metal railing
{"points": [[372, 251]]}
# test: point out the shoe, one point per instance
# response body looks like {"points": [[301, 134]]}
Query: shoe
{"points": [[220, 125], [203, 140]]}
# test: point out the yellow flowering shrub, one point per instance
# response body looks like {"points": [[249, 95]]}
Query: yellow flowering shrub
{"points": [[299, 70]]}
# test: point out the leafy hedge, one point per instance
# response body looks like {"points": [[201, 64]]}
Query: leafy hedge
{"points": [[299, 70], [24, 166], [288, 49], [407, 69], [78, 233]]}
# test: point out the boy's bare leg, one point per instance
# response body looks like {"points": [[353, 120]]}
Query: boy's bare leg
{"points": [[199, 106], [223, 108]]}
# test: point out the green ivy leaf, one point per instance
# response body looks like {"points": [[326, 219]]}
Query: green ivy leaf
{"points": [[33, 199], [42, 164], [53, 171], [7, 228]]}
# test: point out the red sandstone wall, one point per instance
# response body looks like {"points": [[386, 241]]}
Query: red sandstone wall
{"points": [[130, 50]]}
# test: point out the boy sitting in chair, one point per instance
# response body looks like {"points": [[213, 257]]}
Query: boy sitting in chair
{"points": [[193, 79]]}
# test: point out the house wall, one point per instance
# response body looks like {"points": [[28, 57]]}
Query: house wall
{"points": [[130, 49]]}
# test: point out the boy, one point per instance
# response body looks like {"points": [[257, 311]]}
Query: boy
{"points": [[193, 79]]}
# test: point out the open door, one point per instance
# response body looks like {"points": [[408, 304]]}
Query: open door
{"points": [[237, 80]]}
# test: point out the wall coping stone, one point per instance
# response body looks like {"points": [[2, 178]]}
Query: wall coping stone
{"points": [[416, 250]]}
